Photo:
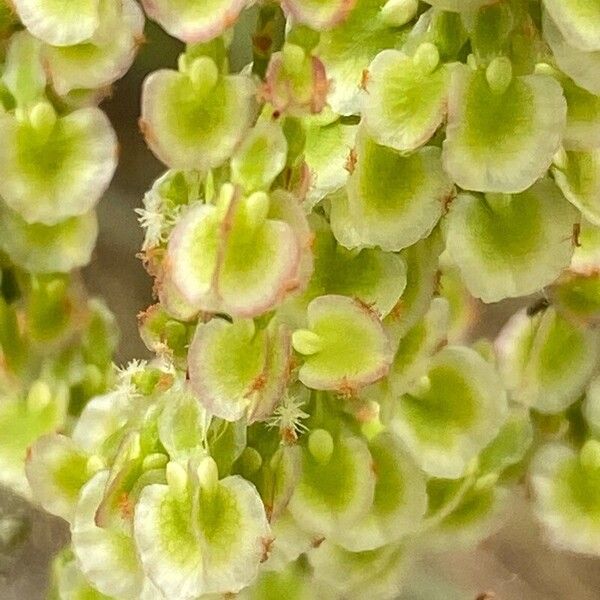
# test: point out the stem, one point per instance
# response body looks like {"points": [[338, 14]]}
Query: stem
{"points": [[267, 37]]}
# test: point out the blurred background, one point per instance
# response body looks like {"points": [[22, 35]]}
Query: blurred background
{"points": [[513, 564]]}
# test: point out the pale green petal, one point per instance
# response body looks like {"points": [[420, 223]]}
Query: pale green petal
{"points": [[464, 309], [107, 558], [582, 67], [567, 498], [376, 574], [21, 423], [578, 21], [415, 350], [103, 59], [536, 368], [236, 371], [260, 157], [510, 445], [453, 413], [579, 180], [101, 417], [48, 248], [399, 502], [319, 14], [422, 261], [167, 543], [192, 21], [56, 471], [183, 423], [507, 246], [291, 583], [23, 72], [326, 153], [478, 515], [349, 48], [69, 582], [234, 533], [583, 118], [290, 542], [194, 247], [502, 142], [375, 277], [578, 296], [225, 361], [58, 22], [260, 262], [394, 200], [404, 104], [47, 178], [335, 494]]}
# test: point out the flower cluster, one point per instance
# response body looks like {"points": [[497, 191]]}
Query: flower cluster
{"points": [[331, 219], [57, 157]]}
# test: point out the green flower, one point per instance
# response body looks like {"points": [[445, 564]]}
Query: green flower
{"points": [[535, 367], [345, 346], [52, 167], [502, 130], [506, 246], [377, 574], [237, 370], [583, 118], [452, 413], [251, 253], [399, 501], [48, 248], [566, 486], [406, 97], [337, 485], [194, 119], [347, 50], [56, 471], [200, 535], [393, 200], [577, 174]]}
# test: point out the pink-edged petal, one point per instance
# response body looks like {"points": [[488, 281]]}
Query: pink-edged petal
{"points": [[319, 14], [352, 349], [194, 21]]}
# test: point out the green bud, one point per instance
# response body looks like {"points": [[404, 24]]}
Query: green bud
{"points": [[39, 396], [320, 445], [499, 74], [43, 119], [251, 461], [158, 460], [306, 342], [177, 478], [427, 57], [204, 74], [396, 13], [208, 476], [257, 209]]}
